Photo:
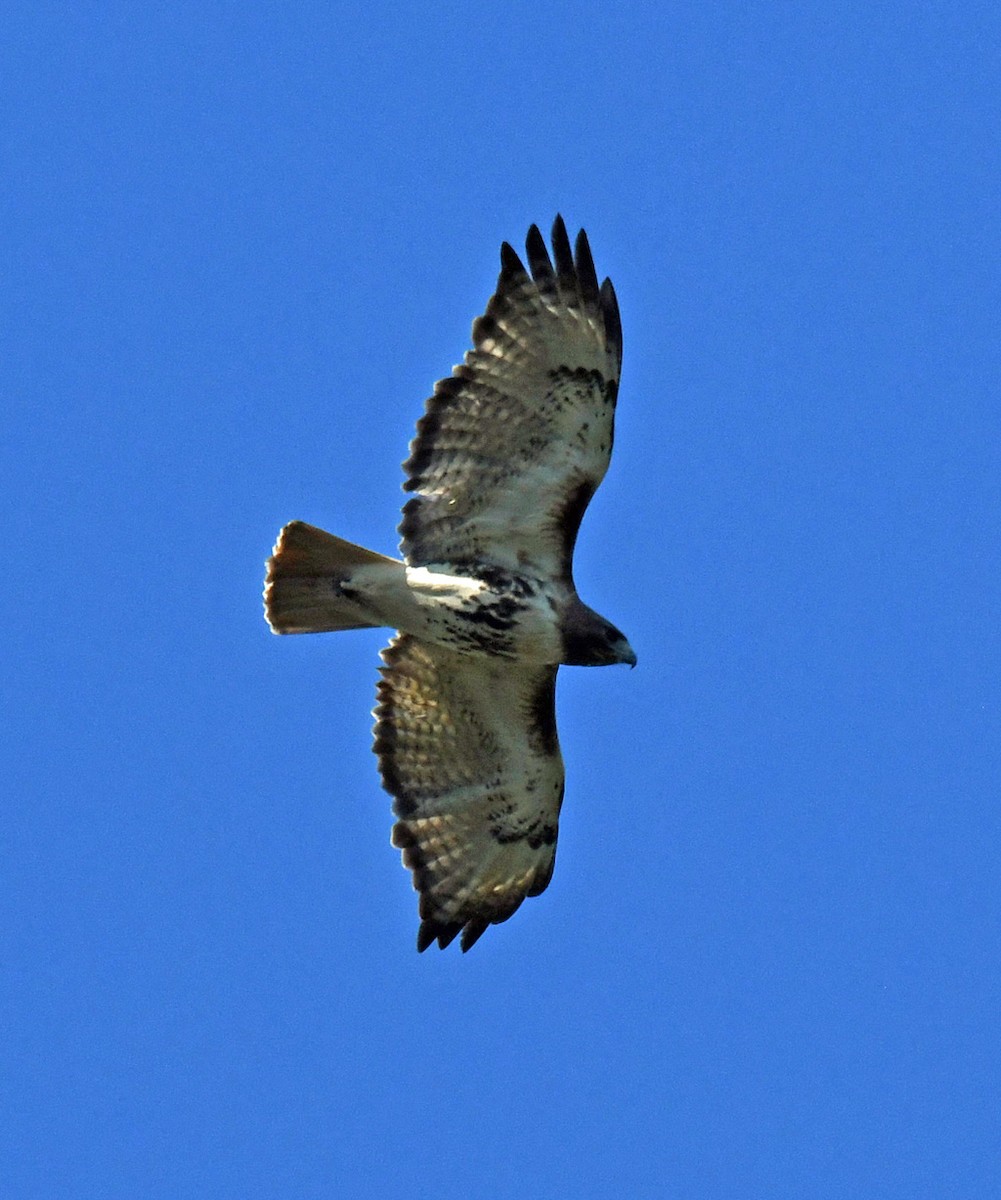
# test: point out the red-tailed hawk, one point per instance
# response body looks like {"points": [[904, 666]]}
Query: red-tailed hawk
{"points": [[508, 454]]}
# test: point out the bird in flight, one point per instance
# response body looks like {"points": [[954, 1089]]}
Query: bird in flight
{"points": [[508, 453]]}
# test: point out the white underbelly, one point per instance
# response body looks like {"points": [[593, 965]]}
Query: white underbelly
{"points": [[469, 615]]}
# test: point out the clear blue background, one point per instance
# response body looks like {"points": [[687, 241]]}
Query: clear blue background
{"points": [[239, 243]]}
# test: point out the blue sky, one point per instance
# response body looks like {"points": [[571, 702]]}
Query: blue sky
{"points": [[240, 242]]}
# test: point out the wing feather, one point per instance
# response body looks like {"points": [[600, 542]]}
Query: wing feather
{"points": [[467, 746], [523, 428], [540, 264]]}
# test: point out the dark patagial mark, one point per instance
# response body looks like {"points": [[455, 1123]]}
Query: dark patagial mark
{"points": [[544, 880], [542, 716], [568, 522]]}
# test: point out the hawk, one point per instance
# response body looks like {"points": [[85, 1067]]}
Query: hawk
{"points": [[508, 453]]}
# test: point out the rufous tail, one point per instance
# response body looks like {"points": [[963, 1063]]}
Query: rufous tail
{"points": [[315, 582]]}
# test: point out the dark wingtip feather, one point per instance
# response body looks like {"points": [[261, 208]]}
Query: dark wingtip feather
{"points": [[587, 277], [447, 935], [538, 257], [442, 932], [511, 264], [613, 322], [472, 933], [565, 270]]}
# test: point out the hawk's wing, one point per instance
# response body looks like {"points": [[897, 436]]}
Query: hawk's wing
{"points": [[513, 445], [467, 745]]}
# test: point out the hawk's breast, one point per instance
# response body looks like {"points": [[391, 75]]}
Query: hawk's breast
{"points": [[475, 608]]}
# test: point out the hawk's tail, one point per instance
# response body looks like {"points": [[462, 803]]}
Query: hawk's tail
{"points": [[317, 582]]}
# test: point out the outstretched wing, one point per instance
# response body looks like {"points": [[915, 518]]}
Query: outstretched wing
{"points": [[512, 446], [467, 745]]}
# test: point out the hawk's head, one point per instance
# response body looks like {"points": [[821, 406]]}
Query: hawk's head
{"points": [[591, 641]]}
